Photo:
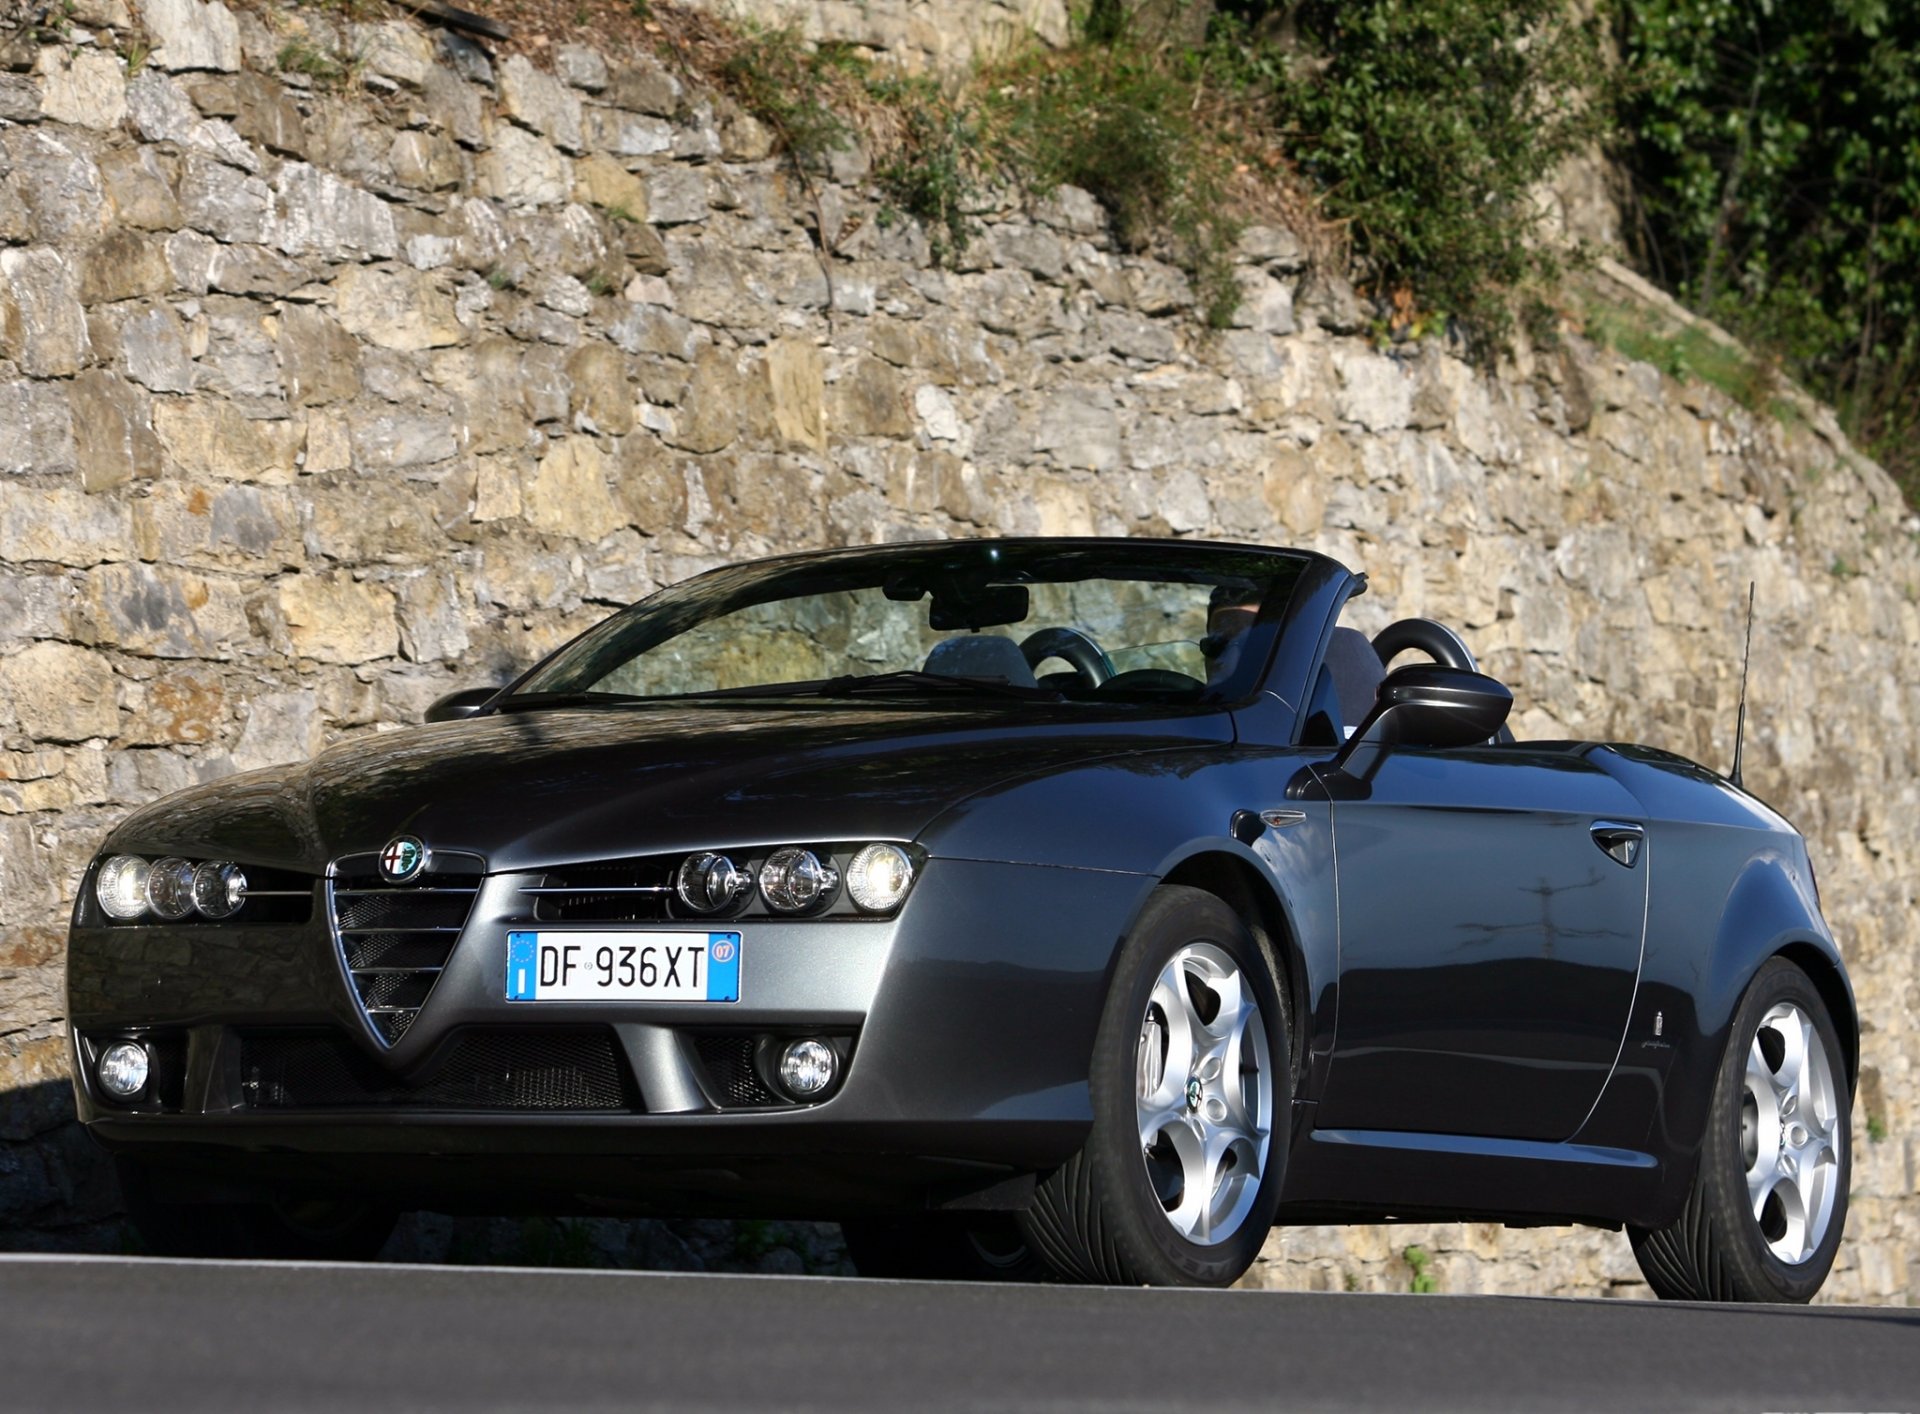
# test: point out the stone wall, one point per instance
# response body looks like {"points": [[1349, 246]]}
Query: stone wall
{"points": [[318, 400]]}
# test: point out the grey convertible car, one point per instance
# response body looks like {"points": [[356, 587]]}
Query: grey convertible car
{"points": [[1036, 907]]}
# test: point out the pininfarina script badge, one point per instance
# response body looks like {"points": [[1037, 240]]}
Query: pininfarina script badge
{"points": [[402, 860]]}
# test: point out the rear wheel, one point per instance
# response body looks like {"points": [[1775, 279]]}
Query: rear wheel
{"points": [[295, 1227], [1180, 1177], [944, 1247], [1764, 1217]]}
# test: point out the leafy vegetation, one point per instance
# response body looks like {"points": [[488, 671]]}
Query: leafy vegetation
{"points": [[1127, 119], [1775, 149], [1419, 1261], [299, 57], [1686, 353], [1418, 129], [791, 87], [940, 168], [1426, 127]]}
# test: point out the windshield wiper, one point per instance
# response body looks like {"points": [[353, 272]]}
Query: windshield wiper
{"points": [[914, 681]]}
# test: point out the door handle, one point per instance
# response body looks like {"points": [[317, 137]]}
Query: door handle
{"points": [[1620, 839]]}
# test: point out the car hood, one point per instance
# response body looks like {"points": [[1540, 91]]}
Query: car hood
{"points": [[543, 788]]}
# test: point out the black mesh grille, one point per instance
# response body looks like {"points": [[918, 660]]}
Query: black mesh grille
{"points": [[480, 1070], [732, 1078], [396, 938]]}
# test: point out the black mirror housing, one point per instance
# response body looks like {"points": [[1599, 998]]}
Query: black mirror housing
{"points": [[1431, 705], [467, 702]]}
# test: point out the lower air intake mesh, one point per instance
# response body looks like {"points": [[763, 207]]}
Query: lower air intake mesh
{"points": [[733, 1080], [480, 1070]]}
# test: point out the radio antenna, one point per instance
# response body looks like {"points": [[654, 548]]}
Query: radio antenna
{"points": [[1740, 722]]}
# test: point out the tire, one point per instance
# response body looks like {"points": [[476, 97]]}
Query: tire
{"points": [[294, 1228], [944, 1247], [1764, 1217], [1192, 1207]]}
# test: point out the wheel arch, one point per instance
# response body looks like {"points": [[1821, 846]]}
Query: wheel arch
{"points": [[1246, 890], [1832, 985], [1770, 913]]}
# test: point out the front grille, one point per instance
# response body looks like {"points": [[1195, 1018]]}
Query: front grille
{"points": [[733, 1080], [615, 891], [396, 938], [551, 1070]]}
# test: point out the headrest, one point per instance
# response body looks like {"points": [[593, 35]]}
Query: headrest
{"points": [[981, 655], [1357, 674]]}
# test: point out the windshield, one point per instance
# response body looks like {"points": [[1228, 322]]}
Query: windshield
{"points": [[1062, 621]]}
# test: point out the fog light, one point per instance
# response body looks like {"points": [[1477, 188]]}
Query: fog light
{"points": [[794, 880], [879, 877], [121, 887], [123, 1069], [807, 1068], [170, 889]]}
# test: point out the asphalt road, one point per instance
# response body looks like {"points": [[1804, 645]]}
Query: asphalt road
{"points": [[81, 1334]]}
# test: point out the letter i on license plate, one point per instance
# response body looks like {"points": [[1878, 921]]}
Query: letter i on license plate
{"points": [[623, 967]]}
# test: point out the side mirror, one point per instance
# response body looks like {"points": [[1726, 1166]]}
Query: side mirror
{"points": [[1426, 704], [467, 702]]}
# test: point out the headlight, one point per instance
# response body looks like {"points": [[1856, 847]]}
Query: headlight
{"points": [[795, 881], [879, 877], [707, 883], [120, 887], [218, 889], [170, 889]]}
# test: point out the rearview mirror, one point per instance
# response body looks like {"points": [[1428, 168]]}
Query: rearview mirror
{"points": [[1426, 704], [467, 702]]}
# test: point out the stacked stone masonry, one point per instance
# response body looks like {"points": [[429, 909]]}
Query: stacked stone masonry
{"points": [[318, 401]]}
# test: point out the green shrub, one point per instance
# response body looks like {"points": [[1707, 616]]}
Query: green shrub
{"points": [[1125, 120], [791, 87], [939, 168], [1427, 126], [1775, 151]]}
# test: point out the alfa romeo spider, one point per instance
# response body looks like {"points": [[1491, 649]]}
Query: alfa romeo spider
{"points": [[1050, 907]]}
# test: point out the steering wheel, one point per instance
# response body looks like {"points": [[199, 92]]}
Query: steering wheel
{"points": [[1436, 640], [1089, 659]]}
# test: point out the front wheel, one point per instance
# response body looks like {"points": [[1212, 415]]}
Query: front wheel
{"points": [[1179, 1179], [1764, 1217]]}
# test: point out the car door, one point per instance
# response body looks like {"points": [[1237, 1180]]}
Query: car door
{"points": [[1492, 913]]}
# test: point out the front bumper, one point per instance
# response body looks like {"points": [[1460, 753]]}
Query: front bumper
{"points": [[969, 1018]]}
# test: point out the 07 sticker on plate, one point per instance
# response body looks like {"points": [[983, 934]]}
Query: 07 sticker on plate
{"points": [[623, 967]]}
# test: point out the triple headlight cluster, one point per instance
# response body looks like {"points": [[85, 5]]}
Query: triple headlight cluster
{"points": [[128, 887], [796, 881]]}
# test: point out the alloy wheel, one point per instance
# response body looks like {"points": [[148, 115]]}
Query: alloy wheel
{"points": [[1204, 1094], [1790, 1133]]}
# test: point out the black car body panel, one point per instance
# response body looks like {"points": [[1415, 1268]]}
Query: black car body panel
{"points": [[1493, 1015]]}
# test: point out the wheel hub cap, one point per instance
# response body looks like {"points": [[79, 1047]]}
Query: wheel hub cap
{"points": [[1790, 1135], [1204, 1094]]}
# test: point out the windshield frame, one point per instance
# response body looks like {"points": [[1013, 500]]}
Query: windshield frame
{"points": [[673, 610]]}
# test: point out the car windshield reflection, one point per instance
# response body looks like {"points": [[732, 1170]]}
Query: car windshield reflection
{"points": [[1093, 621]]}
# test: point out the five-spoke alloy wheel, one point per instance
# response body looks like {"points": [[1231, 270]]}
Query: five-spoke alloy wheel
{"points": [[1178, 1182], [1769, 1201], [1204, 1092], [1790, 1134]]}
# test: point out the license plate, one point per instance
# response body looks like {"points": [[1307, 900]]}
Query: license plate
{"points": [[623, 967]]}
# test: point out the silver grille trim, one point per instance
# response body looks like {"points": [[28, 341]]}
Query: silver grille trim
{"points": [[393, 940]]}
